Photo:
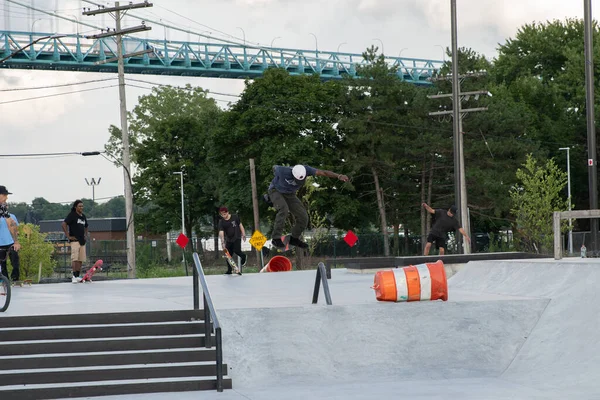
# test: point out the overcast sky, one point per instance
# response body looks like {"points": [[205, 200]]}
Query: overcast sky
{"points": [[79, 122]]}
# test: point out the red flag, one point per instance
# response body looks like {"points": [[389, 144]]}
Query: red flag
{"points": [[350, 238], [182, 240]]}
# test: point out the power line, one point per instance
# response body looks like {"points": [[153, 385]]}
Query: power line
{"points": [[180, 87], [56, 94], [57, 85]]}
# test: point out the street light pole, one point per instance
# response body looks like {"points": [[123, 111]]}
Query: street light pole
{"points": [[340, 45], [274, 39], [180, 173], [33, 24], [316, 43], [243, 33], [569, 194], [380, 41], [443, 51]]}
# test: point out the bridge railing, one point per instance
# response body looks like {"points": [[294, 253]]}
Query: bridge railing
{"points": [[193, 58]]}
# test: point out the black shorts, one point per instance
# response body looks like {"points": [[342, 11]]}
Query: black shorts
{"points": [[439, 242]]}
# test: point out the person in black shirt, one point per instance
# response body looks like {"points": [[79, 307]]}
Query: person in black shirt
{"points": [[445, 221], [75, 227], [231, 233]]}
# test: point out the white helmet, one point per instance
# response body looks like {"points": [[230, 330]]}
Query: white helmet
{"points": [[299, 172]]}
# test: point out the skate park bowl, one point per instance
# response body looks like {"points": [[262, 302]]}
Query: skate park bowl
{"points": [[511, 329]]}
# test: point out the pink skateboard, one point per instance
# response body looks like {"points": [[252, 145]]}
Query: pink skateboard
{"points": [[88, 275]]}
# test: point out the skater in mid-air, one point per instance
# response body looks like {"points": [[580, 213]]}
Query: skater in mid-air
{"points": [[445, 221], [282, 192]]}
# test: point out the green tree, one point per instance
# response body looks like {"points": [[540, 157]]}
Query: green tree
{"points": [[170, 130], [383, 125], [543, 69], [536, 196], [34, 251], [282, 120]]}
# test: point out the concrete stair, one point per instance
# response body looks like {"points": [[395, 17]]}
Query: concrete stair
{"points": [[62, 356]]}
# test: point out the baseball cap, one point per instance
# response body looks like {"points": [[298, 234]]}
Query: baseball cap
{"points": [[3, 190], [299, 172], [223, 209], [453, 209]]}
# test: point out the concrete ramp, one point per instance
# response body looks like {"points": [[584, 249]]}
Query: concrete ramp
{"points": [[562, 354], [385, 341], [510, 330]]}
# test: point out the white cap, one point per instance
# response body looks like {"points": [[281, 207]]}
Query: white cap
{"points": [[299, 172]]}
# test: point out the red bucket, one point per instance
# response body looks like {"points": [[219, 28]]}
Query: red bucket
{"points": [[278, 264]]}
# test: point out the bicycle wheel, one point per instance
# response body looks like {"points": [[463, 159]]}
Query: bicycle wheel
{"points": [[4, 293]]}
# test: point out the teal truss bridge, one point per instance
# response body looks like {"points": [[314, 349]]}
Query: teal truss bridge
{"points": [[71, 52]]}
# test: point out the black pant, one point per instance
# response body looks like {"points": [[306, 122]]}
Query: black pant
{"points": [[288, 203], [4, 251], [234, 248], [16, 265]]}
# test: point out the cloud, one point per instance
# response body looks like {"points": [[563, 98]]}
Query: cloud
{"points": [[18, 111]]}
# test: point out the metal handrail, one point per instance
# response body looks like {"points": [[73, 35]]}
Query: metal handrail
{"points": [[321, 278], [209, 314]]}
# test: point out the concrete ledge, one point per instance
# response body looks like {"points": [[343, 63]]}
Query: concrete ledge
{"points": [[374, 263]]}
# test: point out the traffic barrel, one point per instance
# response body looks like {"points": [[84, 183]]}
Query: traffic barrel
{"points": [[413, 283], [278, 264]]}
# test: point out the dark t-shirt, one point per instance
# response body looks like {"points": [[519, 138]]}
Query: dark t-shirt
{"points": [[284, 181], [443, 223], [77, 224], [231, 228]]}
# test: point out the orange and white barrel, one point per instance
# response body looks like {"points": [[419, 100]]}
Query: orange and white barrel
{"points": [[278, 264], [421, 282]]}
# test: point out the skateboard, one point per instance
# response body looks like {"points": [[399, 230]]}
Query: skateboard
{"points": [[90, 273], [232, 263], [26, 282], [289, 249]]}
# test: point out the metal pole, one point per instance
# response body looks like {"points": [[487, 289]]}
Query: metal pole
{"points": [[254, 198], [126, 159], [569, 195], [591, 128], [456, 115], [180, 173], [464, 211], [182, 206]]}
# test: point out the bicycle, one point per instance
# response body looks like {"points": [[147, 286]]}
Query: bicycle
{"points": [[5, 288], [5, 292]]}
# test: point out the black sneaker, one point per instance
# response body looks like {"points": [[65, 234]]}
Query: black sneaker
{"points": [[227, 273], [278, 243], [298, 243]]}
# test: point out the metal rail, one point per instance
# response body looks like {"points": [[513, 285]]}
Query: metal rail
{"points": [[321, 278], [209, 314]]}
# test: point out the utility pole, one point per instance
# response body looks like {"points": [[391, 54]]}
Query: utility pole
{"points": [[117, 12], [93, 183], [460, 185], [591, 121]]}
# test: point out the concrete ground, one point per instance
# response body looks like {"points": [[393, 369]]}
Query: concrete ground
{"points": [[510, 330]]}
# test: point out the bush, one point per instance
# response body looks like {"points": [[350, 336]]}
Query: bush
{"points": [[34, 250]]}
